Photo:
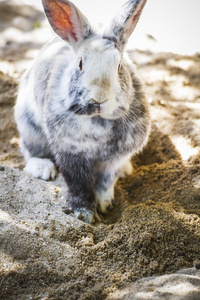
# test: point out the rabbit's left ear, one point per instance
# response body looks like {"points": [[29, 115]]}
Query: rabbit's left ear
{"points": [[124, 23], [67, 21]]}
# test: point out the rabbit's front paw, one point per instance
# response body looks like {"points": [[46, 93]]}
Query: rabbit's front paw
{"points": [[105, 200], [42, 168], [86, 215]]}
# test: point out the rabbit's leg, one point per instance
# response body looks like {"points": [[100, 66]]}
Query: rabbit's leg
{"points": [[105, 178], [36, 155], [34, 146], [126, 169], [77, 171], [42, 168], [104, 190]]}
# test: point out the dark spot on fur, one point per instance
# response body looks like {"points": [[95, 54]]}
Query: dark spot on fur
{"points": [[75, 91], [88, 32], [29, 118], [77, 171], [79, 109], [99, 121], [38, 149], [80, 93], [112, 40], [76, 108], [103, 181]]}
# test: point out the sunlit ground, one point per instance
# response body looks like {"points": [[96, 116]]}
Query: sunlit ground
{"points": [[162, 212]]}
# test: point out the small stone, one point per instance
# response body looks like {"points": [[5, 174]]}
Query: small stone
{"points": [[181, 253], [2, 168], [197, 266], [67, 210]]}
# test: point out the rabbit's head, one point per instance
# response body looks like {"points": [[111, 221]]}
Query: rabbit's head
{"points": [[100, 83]]}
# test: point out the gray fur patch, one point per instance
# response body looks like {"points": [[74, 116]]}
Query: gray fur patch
{"points": [[28, 117], [102, 180], [40, 149]]}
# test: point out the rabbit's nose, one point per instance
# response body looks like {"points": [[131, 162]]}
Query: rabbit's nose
{"points": [[99, 100]]}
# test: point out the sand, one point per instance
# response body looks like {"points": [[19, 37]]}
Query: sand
{"points": [[148, 247]]}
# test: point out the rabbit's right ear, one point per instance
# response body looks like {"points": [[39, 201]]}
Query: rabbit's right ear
{"points": [[124, 23], [67, 21]]}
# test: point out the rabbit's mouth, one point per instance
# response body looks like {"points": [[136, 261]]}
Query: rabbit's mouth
{"points": [[90, 109], [87, 110], [97, 109]]}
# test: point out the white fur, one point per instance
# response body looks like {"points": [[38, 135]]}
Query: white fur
{"points": [[105, 199], [42, 168], [91, 52], [126, 170]]}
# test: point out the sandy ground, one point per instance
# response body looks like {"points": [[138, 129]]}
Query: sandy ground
{"points": [[149, 245]]}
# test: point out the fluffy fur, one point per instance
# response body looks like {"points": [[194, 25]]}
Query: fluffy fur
{"points": [[81, 107]]}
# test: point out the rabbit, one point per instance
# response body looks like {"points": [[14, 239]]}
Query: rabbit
{"points": [[81, 109]]}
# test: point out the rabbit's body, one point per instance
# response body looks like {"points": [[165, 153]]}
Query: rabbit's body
{"points": [[83, 108]]}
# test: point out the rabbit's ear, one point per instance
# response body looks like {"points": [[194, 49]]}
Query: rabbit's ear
{"points": [[124, 23], [67, 21]]}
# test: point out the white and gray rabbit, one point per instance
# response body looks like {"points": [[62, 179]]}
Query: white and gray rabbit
{"points": [[81, 107]]}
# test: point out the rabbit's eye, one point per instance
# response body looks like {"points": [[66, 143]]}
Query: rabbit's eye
{"points": [[80, 64]]}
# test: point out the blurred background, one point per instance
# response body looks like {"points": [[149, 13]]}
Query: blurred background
{"points": [[165, 26]]}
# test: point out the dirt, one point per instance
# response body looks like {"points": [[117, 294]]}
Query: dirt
{"points": [[154, 228]]}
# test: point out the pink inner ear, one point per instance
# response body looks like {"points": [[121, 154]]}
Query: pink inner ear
{"points": [[136, 18], [61, 15]]}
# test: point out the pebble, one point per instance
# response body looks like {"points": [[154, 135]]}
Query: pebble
{"points": [[2, 168], [197, 266]]}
